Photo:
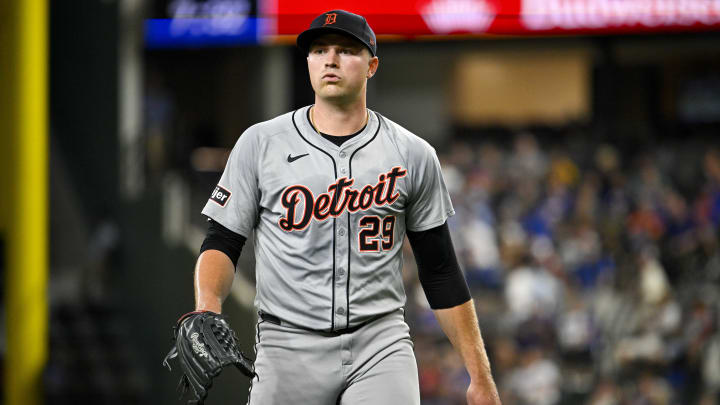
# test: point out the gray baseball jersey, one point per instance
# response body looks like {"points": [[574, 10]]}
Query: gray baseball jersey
{"points": [[329, 221]]}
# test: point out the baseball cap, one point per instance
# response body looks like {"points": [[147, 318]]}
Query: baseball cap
{"points": [[338, 22]]}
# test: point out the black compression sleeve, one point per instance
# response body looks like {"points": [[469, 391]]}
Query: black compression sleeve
{"points": [[440, 275], [220, 238]]}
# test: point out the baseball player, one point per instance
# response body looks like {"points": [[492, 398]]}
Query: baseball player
{"points": [[329, 192]]}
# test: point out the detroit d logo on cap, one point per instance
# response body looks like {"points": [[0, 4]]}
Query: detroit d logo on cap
{"points": [[330, 18]]}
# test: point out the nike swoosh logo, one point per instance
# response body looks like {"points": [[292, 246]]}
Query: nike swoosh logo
{"points": [[294, 158]]}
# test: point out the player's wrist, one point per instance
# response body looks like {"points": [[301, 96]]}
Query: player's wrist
{"points": [[213, 310], [208, 307], [484, 384]]}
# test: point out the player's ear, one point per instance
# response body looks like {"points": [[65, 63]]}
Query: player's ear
{"points": [[372, 66]]}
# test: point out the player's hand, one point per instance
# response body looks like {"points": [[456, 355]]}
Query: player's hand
{"points": [[482, 394], [204, 344]]}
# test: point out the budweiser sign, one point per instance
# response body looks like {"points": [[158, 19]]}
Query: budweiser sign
{"points": [[594, 14], [512, 17], [446, 16]]}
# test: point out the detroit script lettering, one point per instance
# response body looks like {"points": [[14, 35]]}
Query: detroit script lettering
{"points": [[340, 197]]}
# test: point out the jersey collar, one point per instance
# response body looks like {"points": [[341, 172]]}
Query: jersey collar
{"points": [[311, 135]]}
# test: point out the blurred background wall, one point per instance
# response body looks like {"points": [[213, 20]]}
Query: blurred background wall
{"points": [[581, 152]]}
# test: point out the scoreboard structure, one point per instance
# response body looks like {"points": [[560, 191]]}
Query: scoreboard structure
{"points": [[242, 22]]}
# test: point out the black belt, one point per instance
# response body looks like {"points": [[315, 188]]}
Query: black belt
{"points": [[277, 321]]}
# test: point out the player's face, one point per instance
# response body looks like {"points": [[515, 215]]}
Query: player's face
{"points": [[339, 68]]}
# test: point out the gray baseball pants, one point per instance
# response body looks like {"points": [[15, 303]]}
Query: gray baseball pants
{"points": [[372, 365]]}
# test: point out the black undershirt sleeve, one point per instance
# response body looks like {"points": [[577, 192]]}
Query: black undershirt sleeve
{"points": [[440, 276], [220, 238]]}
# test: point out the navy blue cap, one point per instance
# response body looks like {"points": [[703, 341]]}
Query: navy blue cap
{"points": [[339, 22]]}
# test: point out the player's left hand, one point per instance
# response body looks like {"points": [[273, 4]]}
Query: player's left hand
{"points": [[482, 394]]}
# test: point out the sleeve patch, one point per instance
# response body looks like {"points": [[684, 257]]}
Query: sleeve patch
{"points": [[220, 195]]}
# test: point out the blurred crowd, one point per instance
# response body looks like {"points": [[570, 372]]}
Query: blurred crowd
{"points": [[595, 272]]}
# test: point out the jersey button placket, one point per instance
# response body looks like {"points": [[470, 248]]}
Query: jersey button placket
{"points": [[340, 279], [341, 240]]}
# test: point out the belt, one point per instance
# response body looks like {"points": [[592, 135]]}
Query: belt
{"points": [[277, 321]]}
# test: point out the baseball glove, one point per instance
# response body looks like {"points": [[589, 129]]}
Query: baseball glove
{"points": [[204, 344]]}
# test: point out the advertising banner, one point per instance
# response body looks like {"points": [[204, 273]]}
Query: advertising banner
{"points": [[411, 18]]}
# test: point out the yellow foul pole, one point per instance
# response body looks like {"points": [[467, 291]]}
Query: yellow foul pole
{"points": [[24, 194]]}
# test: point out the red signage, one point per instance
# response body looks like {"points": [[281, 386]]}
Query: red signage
{"points": [[506, 17]]}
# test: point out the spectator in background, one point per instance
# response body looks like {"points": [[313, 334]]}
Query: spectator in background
{"points": [[537, 380], [597, 280]]}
